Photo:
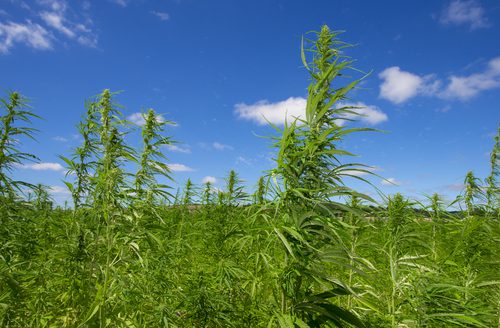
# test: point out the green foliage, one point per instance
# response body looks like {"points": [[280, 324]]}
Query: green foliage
{"points": [[13, 111], [189, 192], [151, 161], [261, 190], [234, 193], [492, 188], [308, 163], [293, 256]]}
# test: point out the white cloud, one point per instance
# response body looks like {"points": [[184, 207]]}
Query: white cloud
{"points": [[138, 119], [464, 12], [210, 179], [56, 21], [263, 111], [59, 190], [399, 86], [161, 15], [391, 182], [29, 34], [43, 167], [54, 16], [371, 115], [57, 18], [466, 87], [295, 107], [179, 149], [361, 173], [221, 147], [179, 168]]}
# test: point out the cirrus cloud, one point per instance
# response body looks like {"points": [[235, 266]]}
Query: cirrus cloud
{"points": [[28, 33]]}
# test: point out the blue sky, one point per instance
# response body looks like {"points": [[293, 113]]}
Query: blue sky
{"points": [[215, 67]]}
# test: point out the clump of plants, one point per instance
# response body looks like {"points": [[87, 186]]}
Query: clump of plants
{"points": [[302, 249]]}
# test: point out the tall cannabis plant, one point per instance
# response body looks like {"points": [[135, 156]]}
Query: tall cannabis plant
{"points": [[82, 163], [309, 173], [472, 192], [13, 110], [234, 193], [260, 193], [189, 192], [152, 160], [110, 177], [308, 163]]}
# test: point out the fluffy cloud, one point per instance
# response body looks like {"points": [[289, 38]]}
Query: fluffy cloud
{"points": [[179, 168], [391, 182], [29, 34], [464, 12], [466, 87], [138, 119], [43, 167], [371, 115], [287, 110], [263, 111], [210, 179], [398, 86]]}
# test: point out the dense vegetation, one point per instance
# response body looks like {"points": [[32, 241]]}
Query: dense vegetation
{"points": [[303, 250]]}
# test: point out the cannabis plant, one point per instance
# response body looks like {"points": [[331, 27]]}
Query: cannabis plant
{"points": [[308, 163], [82, 164], [492, 188], [152, 160], [13, 111]]}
